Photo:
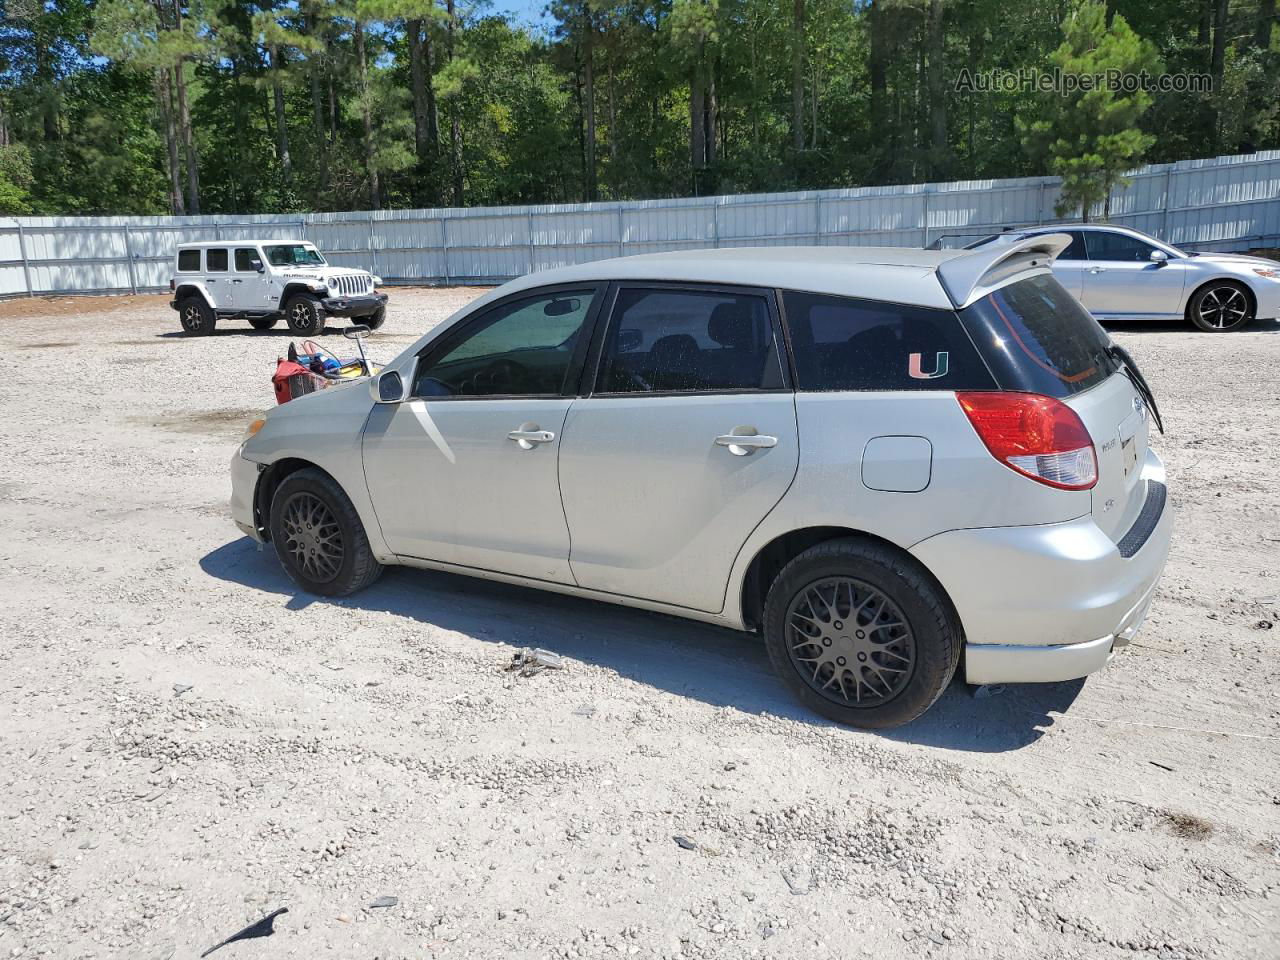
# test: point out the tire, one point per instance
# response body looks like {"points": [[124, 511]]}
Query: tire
{"points": [[264, 323], [903, 669], [196, 316], [1221, 306], [305, 315], [374, 320], [305, 504]]}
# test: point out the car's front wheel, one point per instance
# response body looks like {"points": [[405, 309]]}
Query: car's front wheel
{"points": [[374, 320], [861, 634], [1220, 307], [318, 536], [305, 315]]}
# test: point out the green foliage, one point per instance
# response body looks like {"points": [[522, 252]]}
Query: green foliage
{"points": [[1090, 135], [601, 103]]}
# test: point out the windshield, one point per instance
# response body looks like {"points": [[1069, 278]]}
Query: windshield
{"points": [[1035, 336], [293, 255]]}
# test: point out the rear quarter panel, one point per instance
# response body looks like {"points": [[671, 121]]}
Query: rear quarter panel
{"points": [[967, 487]]}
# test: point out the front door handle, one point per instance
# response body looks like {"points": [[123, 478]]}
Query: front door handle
{"points": [[741, 445], [529, 436], [237, 281], [1097, 269]]}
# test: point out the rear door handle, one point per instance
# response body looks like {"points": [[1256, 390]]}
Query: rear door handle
{"points": [[237, 281], [741, 445], [1097, 269], [528, 438]]}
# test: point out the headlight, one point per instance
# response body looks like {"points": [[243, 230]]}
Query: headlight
{"points": [[1272, 272], [377, 281]]}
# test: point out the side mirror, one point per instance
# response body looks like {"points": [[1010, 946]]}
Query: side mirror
{"points": [[357, 331], [1159, 257], [257, 265], [629, 339], [387, 387]]}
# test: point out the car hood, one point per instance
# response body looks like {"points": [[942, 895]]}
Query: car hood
{"points": [[1241, 258]]}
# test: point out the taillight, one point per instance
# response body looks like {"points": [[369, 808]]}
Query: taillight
{"points": [[1039, 437]]}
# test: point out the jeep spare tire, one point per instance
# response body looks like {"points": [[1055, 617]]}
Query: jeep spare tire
{"points": [[305, 315]]}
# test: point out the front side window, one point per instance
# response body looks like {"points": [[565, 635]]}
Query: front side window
{"points": [[247, 259], [189, 261], [1117, 247], [1035, 336], [293, 255], [841, 343], [215, 260], [681, 341], [524, 347]]}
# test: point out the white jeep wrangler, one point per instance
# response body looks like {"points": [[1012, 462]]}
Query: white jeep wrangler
{"points": [[262, 281]]}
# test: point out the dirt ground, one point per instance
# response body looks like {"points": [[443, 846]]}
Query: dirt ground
{"points": [[330, 753]]}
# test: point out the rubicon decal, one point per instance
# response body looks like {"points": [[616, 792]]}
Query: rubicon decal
{"points": [[915, 366]]}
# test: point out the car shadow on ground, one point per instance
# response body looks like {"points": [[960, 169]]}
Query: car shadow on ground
{"points": [[720, 667], [242, 329], [1182, 326]]}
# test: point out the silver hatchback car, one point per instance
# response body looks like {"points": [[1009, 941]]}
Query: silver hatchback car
{"points": [[887, 462]]}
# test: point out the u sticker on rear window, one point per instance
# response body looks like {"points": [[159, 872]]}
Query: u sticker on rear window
{"points": [[915, 366]]}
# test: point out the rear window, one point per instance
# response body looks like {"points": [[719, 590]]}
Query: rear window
{"points": [[841, 343], [189, 260], [1035, 336]]}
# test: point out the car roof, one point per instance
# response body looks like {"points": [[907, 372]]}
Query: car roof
{"points": [[894, 274], [201, 244]]}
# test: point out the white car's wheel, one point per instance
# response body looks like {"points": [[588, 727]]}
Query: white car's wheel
{"points": [[1221, 306]]}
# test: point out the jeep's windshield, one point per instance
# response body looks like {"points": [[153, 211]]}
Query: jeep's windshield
{"points": [[293, 255]]}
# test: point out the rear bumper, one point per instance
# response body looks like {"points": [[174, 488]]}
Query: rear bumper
{"points": [[1050, 602], [360, 306]]}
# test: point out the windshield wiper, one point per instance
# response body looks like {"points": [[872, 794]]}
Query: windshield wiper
{"points": [[1117, 352]]}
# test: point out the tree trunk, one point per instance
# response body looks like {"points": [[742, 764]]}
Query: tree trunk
{"points": [[455, 124], [282, 125], [1266, 17], [1204, 23], [188, 140], [366, 116], [589, 102], [697, 129], [1217, 61], [424, 128], [797, 75], [937, 92], [164, 97], [878, 71], [317, 122]]}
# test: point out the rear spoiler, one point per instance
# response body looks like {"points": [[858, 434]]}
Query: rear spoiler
{"points": [[969, 275]]}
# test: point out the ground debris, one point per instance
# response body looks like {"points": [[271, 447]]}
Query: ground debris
{"points": [[261, 928], [528, 662]]}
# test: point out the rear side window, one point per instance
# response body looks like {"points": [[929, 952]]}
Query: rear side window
{"points": [[216, 260], [189, 260], [1076, 251], [1035, 336], [841, 343], [681, 341]]}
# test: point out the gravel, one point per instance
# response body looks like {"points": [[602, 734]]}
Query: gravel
{"points": [[186, 744]]}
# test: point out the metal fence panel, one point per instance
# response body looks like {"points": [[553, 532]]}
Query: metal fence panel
{"points": [[1223, 203]]}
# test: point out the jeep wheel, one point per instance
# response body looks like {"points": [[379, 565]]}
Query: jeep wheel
{"points": [[318, 536], [305, 315], [264, 323], [861, 634], [197, 318], [374, 320]]}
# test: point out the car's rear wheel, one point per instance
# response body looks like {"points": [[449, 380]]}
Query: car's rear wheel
{"points": [[1221, 307], [305, 315], [264, 323], [318, 536], [196, 316], [861, 634]]}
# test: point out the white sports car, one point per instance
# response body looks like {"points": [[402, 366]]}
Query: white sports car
{"points": [[1124, 274]]}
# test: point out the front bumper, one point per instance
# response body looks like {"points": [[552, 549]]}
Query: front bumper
{"points": [[1046, 603], [360, 306], [244, 485], [1267, 294]]}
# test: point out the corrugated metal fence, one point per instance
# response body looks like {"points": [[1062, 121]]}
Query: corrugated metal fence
{"points": [[1228, 203]]}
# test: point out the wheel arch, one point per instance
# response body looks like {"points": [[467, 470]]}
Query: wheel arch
{"points": [[269, 481], [192, 290], [291, 290], [782, 549], [1234, 281]]}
